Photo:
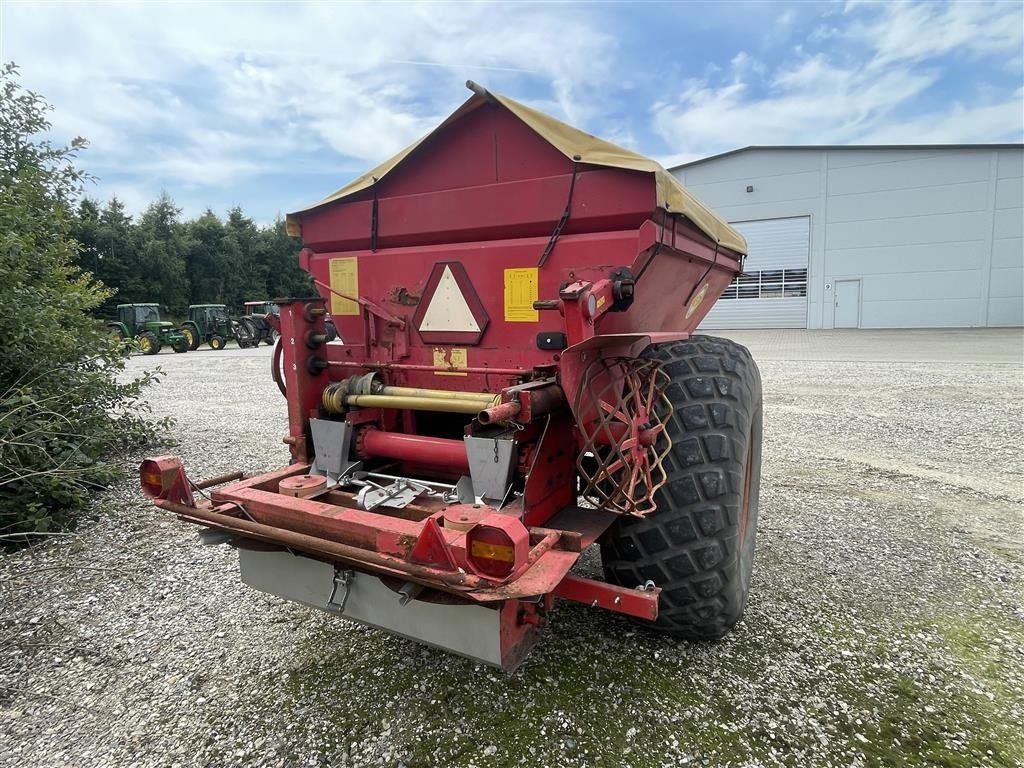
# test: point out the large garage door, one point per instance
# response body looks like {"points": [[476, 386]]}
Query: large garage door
{"points": [[772, 291]]}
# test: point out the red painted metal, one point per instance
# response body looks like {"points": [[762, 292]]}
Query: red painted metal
{"points": [[163, 477], [436, 451], [481, 198], [601, 594]]}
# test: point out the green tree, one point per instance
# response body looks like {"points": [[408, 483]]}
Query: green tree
{"points": [[162, 250], [277, 255], [63, 408]]}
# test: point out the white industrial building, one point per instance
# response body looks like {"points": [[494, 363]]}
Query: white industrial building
{"points": [[870, 236]]}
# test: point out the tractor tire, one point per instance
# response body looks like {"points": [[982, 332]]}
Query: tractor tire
{"points": [[272, 336], [245, 334], [698, 545], [191, 333], [181, 346], [251, 332], [149, 343], [217, 342]]}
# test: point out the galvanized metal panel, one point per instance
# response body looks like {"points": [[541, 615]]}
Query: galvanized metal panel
{"points": [[896, 203], [1007, 252], [1010, 193], [471, 630], [1010, 164], [1003, 312], [1008, 223], [907, 170], [922, 313], [774, 244], [935, 233], [903, 260], [757, 313]]}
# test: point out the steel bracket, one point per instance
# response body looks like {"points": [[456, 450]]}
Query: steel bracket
{"points": [[343, 579]]}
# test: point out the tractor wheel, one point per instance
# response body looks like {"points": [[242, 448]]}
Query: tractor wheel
{"points": [[217, 342], [252, 333], [698, 545], [181, 346], [245, 334], [149, 343], [272, 336], [192, 335]]}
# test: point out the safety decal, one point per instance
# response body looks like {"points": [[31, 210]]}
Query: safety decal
{"points": [[345, 279], [520, 293], [455, 357]]}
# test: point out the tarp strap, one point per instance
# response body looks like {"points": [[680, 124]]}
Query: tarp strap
{"points": [[707, 271], [373, 219], [565, 215]]}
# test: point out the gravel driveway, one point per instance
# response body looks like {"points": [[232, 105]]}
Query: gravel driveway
{"points": [[885, 627]]}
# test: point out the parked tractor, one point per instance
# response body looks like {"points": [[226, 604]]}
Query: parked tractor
{"points": [[257, 314], [520, 379], [141, 324], [211, 324]]}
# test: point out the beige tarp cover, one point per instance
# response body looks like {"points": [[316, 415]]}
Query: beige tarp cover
{"points": [[672, 196]]}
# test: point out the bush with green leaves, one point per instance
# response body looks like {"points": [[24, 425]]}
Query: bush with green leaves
{"points": [[66, 407]]}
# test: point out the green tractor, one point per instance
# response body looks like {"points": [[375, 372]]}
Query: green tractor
{"points": [[141, 323], [211, 324]]}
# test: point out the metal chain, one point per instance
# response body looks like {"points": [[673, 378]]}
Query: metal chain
{"points": [[565, 215]]}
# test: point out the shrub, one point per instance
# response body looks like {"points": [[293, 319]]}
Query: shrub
{"points": [[64, 404]]}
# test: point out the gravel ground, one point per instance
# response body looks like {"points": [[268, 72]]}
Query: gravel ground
{"points": [[885, 627]]}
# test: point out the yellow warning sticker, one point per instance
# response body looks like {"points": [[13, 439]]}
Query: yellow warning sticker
{"points": [[520, 293], [696, 300], [455, 357], [344, 278]]}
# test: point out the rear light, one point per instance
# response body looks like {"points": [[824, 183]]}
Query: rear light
{"points": [[152, 480], [163, 477], [497, 546]]}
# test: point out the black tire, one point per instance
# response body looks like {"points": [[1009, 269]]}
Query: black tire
{"points": [[698, 545], [192, 335], [149, 343], [217, 341], [272, 335], [246, 333], [181, 346]]}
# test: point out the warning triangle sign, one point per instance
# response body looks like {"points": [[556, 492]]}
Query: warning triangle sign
{"points": [[448, 309]]}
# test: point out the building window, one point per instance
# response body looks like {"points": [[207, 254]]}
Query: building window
{"points": [[768, 284]]}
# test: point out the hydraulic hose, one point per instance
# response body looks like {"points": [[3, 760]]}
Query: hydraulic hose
{"points": [[275, 367]]}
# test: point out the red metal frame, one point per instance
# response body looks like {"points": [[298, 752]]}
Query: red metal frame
{"points": [[480, 197]]}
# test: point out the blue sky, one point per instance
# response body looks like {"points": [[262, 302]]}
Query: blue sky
{"points": [[272, 106]]}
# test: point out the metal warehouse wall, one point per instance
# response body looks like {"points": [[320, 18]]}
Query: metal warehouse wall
{"points": [[933, 235]]}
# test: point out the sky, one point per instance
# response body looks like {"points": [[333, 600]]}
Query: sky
{"points": [[272, 106]]}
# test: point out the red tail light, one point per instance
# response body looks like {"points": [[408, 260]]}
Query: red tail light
{"points": [[152, 479], [163, 477], [497, 546]]}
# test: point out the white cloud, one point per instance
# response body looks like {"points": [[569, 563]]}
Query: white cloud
{"points": [[215, 94], [861, 86]]}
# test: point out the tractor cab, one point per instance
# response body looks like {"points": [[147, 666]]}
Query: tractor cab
{"points": [[210, 318], [263, 308], [142, 324], [256, 313], [139, 317], [211, 323]]}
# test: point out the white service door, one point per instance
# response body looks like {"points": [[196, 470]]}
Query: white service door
{"points": [[847, 303], [772, 291]]}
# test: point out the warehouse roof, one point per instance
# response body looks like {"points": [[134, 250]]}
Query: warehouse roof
{"points": [[830, 147]]}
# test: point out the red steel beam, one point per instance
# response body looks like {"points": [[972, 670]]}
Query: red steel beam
{"points": [[435, 451], [601, 594]]}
